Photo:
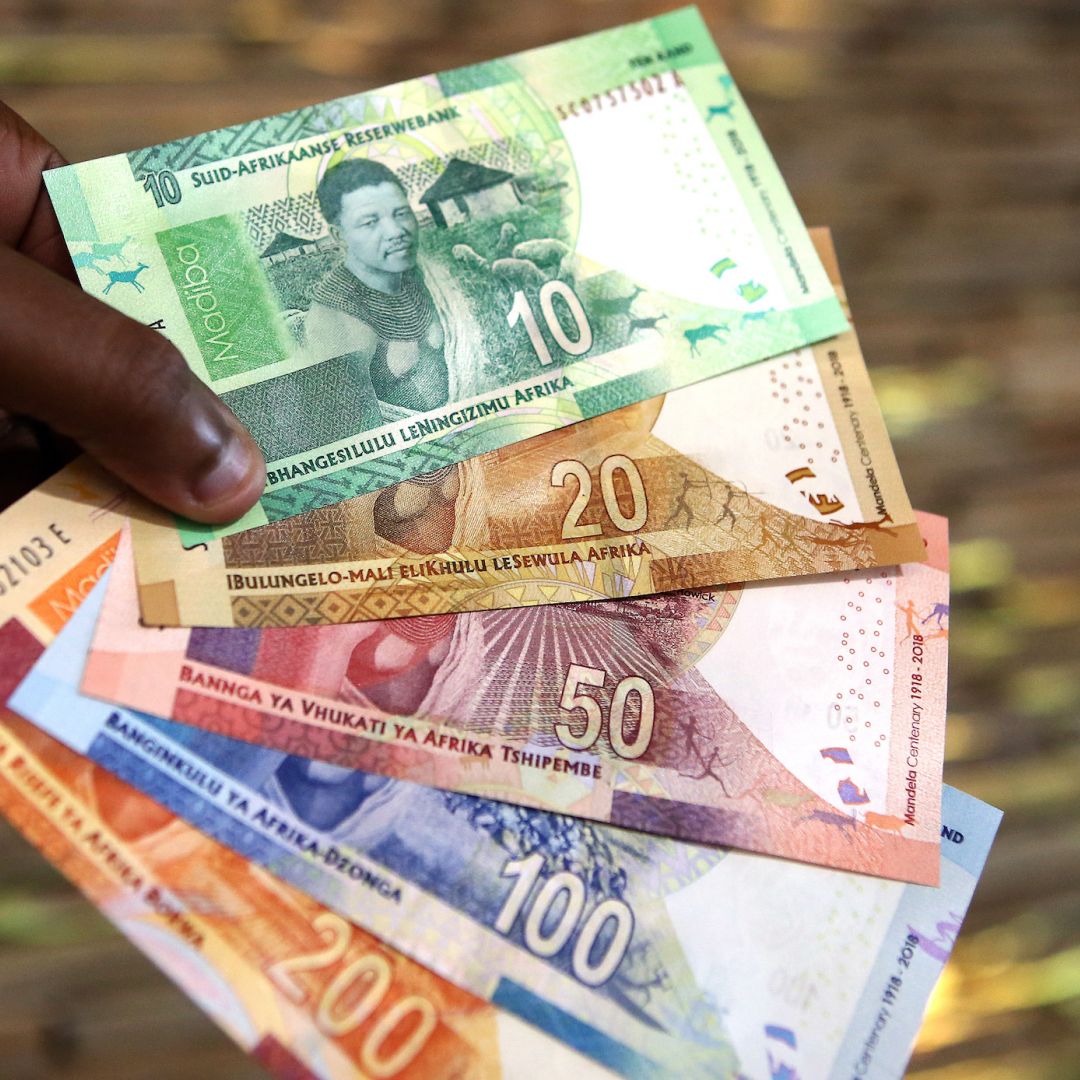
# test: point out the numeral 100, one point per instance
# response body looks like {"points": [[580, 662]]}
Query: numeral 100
{"points": [[548, 929], [371, 971]]}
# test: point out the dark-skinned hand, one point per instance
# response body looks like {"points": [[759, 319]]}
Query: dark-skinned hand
{"points": [[72, 366]]}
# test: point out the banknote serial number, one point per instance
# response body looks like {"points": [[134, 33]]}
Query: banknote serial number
{"points": [[18, 565], [647, 86]]}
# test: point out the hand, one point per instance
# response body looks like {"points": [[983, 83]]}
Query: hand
{"points": [[117, 388]]}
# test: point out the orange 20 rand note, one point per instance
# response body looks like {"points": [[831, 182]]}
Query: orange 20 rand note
{"points": [[303, 990], [802, 719], [780, 469]]}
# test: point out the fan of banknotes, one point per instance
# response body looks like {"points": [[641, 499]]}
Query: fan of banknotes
{"points": [[573, 700]]}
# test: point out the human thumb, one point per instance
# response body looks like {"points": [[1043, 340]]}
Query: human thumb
{"points": [[124, 393]]}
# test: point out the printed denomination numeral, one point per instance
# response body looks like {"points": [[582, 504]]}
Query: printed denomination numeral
{"points": [[371, 972], [521, 311], [372, 1057], [573, 528], [163, 186], [555, 914], [282, 973], [578, 675]]}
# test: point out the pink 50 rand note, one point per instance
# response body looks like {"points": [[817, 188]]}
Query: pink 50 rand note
{"points": [[803, 720]]}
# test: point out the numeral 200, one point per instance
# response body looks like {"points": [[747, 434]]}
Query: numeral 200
{"points": [[370, 970]]}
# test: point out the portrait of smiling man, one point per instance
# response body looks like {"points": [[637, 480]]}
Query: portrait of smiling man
{"points": [[374, 306]]}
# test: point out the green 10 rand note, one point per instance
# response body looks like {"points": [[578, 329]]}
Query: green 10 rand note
{"points": [[389, 283]]}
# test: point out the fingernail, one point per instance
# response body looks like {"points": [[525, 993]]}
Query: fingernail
{"points": [[234, 469]]}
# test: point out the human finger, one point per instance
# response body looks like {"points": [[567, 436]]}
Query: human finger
{"points": [[124, 393]]}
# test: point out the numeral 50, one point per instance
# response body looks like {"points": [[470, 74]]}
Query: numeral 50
{"points": [[578, 675]]}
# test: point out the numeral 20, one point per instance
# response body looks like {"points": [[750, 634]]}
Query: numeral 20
{"points": [[579, 675], [522, 311], [371, 970], [572, 528], [547, 940]]}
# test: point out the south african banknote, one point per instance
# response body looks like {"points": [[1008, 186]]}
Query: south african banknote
{"points": [[661, 958], [300, 988], [392, 282], [804, 719], [783, 468]]}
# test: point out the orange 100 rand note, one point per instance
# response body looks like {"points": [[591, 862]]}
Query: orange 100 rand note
{"points": [[779, 469], [303, 990], [802, 719]]}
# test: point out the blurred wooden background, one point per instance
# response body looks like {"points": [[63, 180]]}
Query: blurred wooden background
{"points": [[941, 141]]}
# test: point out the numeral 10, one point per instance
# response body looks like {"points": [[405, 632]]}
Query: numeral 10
{"points": [[163, 186], [521, 311], [546, 934], [370, 972]]}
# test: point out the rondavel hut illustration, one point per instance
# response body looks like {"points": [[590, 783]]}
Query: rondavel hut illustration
{"points": [[466, 190], [285, 246]]}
